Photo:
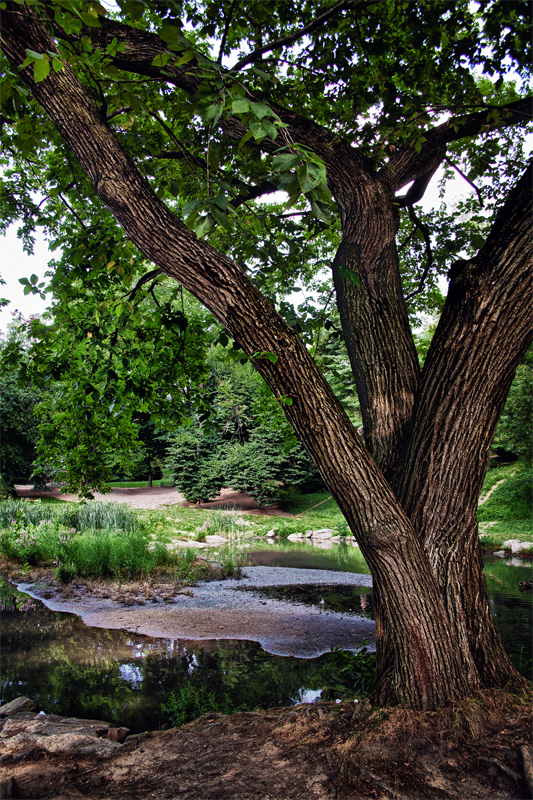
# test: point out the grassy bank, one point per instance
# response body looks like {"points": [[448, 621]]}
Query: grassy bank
{"points": [[108, 540], [505, 510], [96, 541]]}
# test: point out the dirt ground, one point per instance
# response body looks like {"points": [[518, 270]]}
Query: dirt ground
{"points": [[319, 752], [161, 497]]}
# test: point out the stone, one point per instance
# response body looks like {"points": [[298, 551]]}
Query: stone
{"points": [[191, 543], [55, 734], [500, 553], [295, 537], [118, 734], [516, 547], [322, 533], [215, 539], [271, 534], [19, 704]]}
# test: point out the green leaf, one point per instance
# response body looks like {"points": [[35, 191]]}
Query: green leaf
{"points": [[213, 112], [170, 33], [240, 106], [33, 56], [348, 275], [272, 357], [41, 70], [285, 161], [89, 19], [135, 8], [259, 110], [161, 60], [204, 225]]}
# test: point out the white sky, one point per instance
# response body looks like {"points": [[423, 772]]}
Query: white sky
{"points": [[15, 264]]}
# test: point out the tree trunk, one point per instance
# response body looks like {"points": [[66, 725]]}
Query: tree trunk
{"points": [[484, 331], [425, 639], [373, 313]]}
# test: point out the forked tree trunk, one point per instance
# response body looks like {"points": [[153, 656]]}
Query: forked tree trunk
{"points": [[435, 637]]}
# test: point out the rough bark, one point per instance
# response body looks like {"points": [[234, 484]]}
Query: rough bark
{"points": [[373, 312], [485, 328], [424, 657]]}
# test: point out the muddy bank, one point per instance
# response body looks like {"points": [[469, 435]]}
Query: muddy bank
{"points": [[221, 610]]}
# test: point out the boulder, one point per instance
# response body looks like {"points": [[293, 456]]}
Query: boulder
{"points": [[215, 539], [271, 534], [191, 544], [19, 704], [295, 537], [516, 547], [54, 734], [322, 533]]}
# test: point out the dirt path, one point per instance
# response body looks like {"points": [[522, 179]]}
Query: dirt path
{"points": [[161, 497]]}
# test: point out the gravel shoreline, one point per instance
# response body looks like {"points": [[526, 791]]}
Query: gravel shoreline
{"points": [[218, 610]]}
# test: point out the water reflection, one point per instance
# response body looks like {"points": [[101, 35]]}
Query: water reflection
{"points": [[512, 609], [72, 669], [69, 668]]}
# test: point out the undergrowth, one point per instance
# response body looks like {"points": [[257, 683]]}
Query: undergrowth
{"points": [[88, 540], [192, 701]]}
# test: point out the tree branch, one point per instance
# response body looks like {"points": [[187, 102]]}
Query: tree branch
{"points": [[419, 225], [407, 165], [295, 35], [467, 179]]}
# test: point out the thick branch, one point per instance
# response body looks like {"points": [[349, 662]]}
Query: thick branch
{"points": [[484, 330], [407, 165]]}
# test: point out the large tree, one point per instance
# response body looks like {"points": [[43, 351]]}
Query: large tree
{"points": [[342, 106]]}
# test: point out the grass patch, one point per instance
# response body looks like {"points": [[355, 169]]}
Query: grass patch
{"points": [[96, 540], [192, 701], [507, 512]]}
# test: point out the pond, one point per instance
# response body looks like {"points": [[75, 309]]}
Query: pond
{"points": [[69, 668], [511, 608]]}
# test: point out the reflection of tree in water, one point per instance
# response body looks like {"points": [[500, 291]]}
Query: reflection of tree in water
{"points": [[72, 669], [512, 609]]}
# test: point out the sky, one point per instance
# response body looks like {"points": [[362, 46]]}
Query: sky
{"points": [[15, 264]]}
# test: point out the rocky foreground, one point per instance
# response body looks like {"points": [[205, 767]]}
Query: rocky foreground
{"points": [[319, 752]]}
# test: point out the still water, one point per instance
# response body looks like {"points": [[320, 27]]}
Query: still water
{"points": [[72, 669]]}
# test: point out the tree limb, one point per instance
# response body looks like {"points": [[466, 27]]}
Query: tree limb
{"points": [[419, 225], [295, 35], [407, 165]]}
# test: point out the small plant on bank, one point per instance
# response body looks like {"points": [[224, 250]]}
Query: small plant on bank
{"points": [[352, 672], [65, 573], [343, 530], [191, 702]]}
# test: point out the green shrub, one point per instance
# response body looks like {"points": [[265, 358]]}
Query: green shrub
{"points": [[65, 573], [191, 702], [355, 671]]}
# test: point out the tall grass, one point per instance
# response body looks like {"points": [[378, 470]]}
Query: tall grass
{"points": [[82, 516]]}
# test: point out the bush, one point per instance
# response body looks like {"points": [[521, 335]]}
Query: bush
{"points": [[355, 671], [192, 701]]}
